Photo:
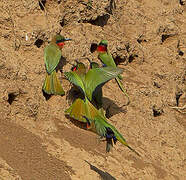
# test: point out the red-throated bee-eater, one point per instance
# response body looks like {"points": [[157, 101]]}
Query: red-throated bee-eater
{"points": [[52, 56]]}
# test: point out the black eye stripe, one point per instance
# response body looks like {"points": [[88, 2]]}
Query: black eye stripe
{"points": [[58, 41], [102, 44]]}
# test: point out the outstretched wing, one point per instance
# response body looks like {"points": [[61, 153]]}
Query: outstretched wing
{"points": [[75, 79], [98, 76], [52, 55]]}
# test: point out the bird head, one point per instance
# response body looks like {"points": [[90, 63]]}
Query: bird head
{"points": [[60, 40], [110, 135], [88, 122], [102, 46], [79, 67]]}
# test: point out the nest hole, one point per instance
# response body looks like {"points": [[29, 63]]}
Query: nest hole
{"points": [[164, 37], [132, 57], [118, 60], [11, 97], [181, 53], [100, 20], [93, 47], [62, 22], [156, 111], [39, 43]]}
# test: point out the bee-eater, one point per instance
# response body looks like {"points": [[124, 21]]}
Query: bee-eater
{"points": [[107, 60], [98, 93], [52, 56], [100, 126], [87, 83]]}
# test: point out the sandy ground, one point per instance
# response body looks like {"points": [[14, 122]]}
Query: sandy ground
{"points": [[147, 39]]}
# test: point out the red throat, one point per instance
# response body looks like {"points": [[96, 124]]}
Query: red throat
{"points": [[88, 126], [101, 48], [61, 44], [74, 69]]}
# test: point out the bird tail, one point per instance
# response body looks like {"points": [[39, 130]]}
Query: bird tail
{"points": [[122, 140], [109, 144], [122, 89], [77, 110], [52, 85], [133, 150]]}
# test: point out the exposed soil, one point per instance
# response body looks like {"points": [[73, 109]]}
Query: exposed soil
{"points": [[146, 38]]}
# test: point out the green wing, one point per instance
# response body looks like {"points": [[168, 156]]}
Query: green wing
{"points": [[99, 126], [76, 110], [100, 122], [52, 55], [107, 59], [75, 79], [120, 138], [98, 76], [81, 108]]}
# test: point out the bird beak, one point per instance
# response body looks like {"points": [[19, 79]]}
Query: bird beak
{"points": [[68, 39]]}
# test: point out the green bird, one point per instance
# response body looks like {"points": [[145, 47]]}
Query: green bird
{"points": [[87, 82], [108, 61], [100, 126], [52, 56], [98, 93]]}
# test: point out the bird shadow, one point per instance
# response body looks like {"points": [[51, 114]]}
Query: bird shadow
{"points": [[61, 64], [103, 174], [73, 94], [47, 96], [81, 125], [111, 108]]}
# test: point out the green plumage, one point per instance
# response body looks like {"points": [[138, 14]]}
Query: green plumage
{"points": [[52, 56], [98, 93], [107, 59], [92, 79], [82, 109], [104, 129], [87, 83]]}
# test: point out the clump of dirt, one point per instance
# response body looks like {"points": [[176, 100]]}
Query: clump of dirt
{"points": [[146, 38]]}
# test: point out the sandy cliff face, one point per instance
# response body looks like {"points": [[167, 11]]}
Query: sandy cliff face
{"points": [[147, 39]]}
